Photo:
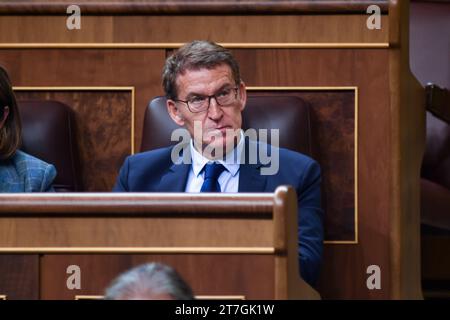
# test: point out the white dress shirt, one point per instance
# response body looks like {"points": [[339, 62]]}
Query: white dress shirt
{"points": [[228, 180]]}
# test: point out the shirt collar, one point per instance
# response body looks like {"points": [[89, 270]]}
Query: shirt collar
{"points": [[231, 162]]}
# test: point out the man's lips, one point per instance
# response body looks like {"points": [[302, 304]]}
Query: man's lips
{"points": [[222, 128]]}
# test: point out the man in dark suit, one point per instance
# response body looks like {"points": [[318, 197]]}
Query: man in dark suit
{"points": [[205, 95]]}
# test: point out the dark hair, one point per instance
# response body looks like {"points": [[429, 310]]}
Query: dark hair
{"points": [[11, 132], [146, 281], [193, 56]]}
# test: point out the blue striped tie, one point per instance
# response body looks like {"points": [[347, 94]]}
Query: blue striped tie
{"points": [[212, 173]]}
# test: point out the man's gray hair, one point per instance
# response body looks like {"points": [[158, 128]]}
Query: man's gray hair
{"points": [[147, 281], [196, 55]]}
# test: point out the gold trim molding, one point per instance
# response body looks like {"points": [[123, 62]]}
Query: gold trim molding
{"points": [[322, 88], [220, 297], [92, 88], [231, 45], [204, 297], [88, 297], [137, 250]]}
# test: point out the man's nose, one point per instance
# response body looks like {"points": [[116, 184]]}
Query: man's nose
{"points": [[214, 111]]}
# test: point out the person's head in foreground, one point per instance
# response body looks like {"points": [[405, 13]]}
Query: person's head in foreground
{"points": [[151, 281]]}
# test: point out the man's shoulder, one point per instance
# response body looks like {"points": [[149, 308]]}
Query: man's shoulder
{"points": [[297, 164], [156, 159], [143, 171], [152, 155], [295, 155], [286, 155]]}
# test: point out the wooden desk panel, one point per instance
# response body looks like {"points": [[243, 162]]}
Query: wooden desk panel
{"points": [[19, 276], [209, 275], [227, 244]]}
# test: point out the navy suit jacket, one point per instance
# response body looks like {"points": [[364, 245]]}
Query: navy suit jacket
{"points": [[154, 171]]}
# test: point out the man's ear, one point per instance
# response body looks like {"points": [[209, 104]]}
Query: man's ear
{"points": [[174, 112], [242, 95], [5, 116]]}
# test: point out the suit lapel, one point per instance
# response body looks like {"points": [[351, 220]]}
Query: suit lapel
{"points": [[250, 178], [176, 177]]}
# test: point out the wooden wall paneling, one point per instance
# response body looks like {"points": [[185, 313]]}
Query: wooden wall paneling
{"points": [[104, 130], [19, 276], [333, 140], [339, 28], [235, 274], [257, 28], [43, 232], [333, 115], [407, 113]]}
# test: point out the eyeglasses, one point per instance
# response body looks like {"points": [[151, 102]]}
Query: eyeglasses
{"points": [[224, 98]]}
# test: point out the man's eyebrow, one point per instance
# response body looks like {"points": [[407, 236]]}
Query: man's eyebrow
{"points": [[225, 85], [196, 94]]}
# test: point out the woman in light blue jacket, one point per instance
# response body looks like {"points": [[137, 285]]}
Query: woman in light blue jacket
{"points": [[19, 172]]}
